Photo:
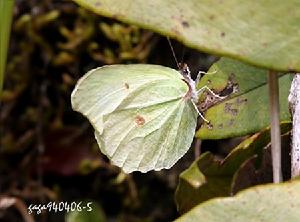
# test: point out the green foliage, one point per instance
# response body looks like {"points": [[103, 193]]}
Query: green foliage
{"points": [[250, 31], [265, 203], [219, 28], [55, 42], [6, 11], [208, 177], [245, 111]]}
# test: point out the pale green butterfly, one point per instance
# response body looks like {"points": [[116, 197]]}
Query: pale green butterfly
{"points": [[144, 116]]}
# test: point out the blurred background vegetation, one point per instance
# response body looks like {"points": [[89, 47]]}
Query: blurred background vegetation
{"points": [[47, 151]]}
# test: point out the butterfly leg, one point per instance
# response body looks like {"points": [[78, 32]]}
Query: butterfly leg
{"points": [[205, 73], [198, 77], [209, 90], [201, 116]]}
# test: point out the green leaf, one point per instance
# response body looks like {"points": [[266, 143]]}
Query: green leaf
{"points": [[246, 111], [262, 33], [201, 181], [207, 177], [6, 11], [264, 203]]}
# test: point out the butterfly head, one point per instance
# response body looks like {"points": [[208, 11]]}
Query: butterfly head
{"points": [[186, 73], [184, 70]]}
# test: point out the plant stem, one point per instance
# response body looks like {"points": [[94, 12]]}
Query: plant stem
{"points": [[197, 148], [275, 126], [6, 12], [294, 103]]}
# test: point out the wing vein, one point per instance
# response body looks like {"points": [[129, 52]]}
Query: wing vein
{"points": [[134, 127], [169, 133], [106, 97]]}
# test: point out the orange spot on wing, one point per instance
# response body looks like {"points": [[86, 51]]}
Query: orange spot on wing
{"points": [[139, 120]]}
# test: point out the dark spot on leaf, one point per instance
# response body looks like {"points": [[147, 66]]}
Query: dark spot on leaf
{"points": [[240, 101], [97, 4], [230, 123], [227, 106], [231, 87], [234, 112], [139, 120], [212, 17], [209, 126], [185, 24], [126, 85], [222, 34], [228, 109]]}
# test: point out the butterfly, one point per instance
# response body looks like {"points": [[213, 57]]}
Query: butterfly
{"points": [[144, 116]]}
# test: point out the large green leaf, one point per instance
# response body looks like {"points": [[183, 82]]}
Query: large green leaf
{"points": [[264, 203], [247, 110], [208, 177], [263, 33]]}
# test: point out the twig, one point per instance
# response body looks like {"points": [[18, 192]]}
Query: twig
{"points": [[275, 126], [197, 148], [294, 103]]}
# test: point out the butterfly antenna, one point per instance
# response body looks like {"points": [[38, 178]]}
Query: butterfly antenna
{"points": [[173, 52], [182, 54]]}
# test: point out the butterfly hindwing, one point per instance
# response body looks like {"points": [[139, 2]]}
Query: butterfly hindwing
{"points": [[142, 120]]}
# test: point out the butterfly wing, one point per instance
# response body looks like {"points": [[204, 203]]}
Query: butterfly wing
{"points": [[142, 120]]}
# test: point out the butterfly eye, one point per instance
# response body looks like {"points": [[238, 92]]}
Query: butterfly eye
{"points": [[184, 69]]}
